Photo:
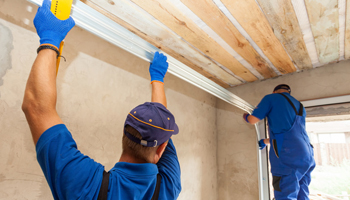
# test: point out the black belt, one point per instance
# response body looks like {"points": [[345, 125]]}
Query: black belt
{"points": [[105, 182]]}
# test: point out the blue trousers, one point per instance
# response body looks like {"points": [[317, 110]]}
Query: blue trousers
{"points": [[294, 186]]}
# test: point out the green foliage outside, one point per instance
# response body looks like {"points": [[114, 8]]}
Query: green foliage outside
{"points": [[332, 180]]}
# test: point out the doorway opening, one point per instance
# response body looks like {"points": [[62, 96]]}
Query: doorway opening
{"points": [[330, 137], [328, 127]]}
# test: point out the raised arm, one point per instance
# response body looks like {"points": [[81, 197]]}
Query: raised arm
{"points": [[260, 112], [168, 165], [250, 118], [157, 70], [39, 103]]}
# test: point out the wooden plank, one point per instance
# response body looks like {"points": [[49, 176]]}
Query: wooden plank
{"points": [[216, 20], [141, 25], [347, 31], [282, 18], [165, 12], [324, 20], [251, 18]]}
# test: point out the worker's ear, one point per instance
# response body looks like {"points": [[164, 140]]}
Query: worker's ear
{"points": [[160, 151]]}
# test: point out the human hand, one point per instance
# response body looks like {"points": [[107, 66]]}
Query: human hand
{"points": [[262, 144], [50, 29], [158, 67], [245, 117]]}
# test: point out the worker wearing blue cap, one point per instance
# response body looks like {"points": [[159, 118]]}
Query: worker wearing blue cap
{"points": [[291, 155], [148, 167]]}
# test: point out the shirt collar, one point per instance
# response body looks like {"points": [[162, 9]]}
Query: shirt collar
{"points": [[285, 93], [136, 169]]}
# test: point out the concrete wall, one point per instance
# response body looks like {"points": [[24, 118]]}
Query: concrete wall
{"points": [[237, 159], [97, 86]]}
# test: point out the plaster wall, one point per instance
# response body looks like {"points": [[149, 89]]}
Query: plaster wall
{"points": [[97, 86], [237, 159]]}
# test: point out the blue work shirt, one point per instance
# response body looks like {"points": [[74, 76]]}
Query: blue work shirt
{"points": [[279, 112], [72, 175]]}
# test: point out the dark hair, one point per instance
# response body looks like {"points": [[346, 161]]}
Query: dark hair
{"points": [[137, 150]]}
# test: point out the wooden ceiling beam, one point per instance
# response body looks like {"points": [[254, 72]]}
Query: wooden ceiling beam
{"points": [[253, 20], [347, 31], [165, 12], [324, 20], [216, 20], [144, 27], [282, 18]]}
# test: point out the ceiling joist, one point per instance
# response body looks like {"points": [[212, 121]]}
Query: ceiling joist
{"points": [[347, 31], [282, 18], [165, 12], [253, 20], [141, 25], [208, 11], [232, 42]]}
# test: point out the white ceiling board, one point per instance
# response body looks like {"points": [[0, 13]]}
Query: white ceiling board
{"points": [[304, 23]]}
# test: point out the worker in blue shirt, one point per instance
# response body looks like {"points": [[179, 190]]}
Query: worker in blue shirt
{"points": [[291, 155], [148, 167]]}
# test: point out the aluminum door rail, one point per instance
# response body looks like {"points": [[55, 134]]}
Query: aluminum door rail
{"points": [[100, 25], [263, 171]]}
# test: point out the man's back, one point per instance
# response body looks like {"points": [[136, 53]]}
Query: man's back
{"points": [[72, 175], [138, 181], [278, 110]]}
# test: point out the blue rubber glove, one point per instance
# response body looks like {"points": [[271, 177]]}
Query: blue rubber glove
{"points": [[50, 29], [245, 117], [262, 144], [158, 67]]}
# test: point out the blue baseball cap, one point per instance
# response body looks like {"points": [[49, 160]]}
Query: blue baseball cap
{"points": [[283, 86], [153, 121]]}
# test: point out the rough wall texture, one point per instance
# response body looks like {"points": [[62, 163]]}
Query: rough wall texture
{"points": [[97, 86], [237, 159]]}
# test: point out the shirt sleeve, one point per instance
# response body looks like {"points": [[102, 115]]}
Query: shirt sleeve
{"points": [[169, 168], [263, 108], [69, 173]]}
